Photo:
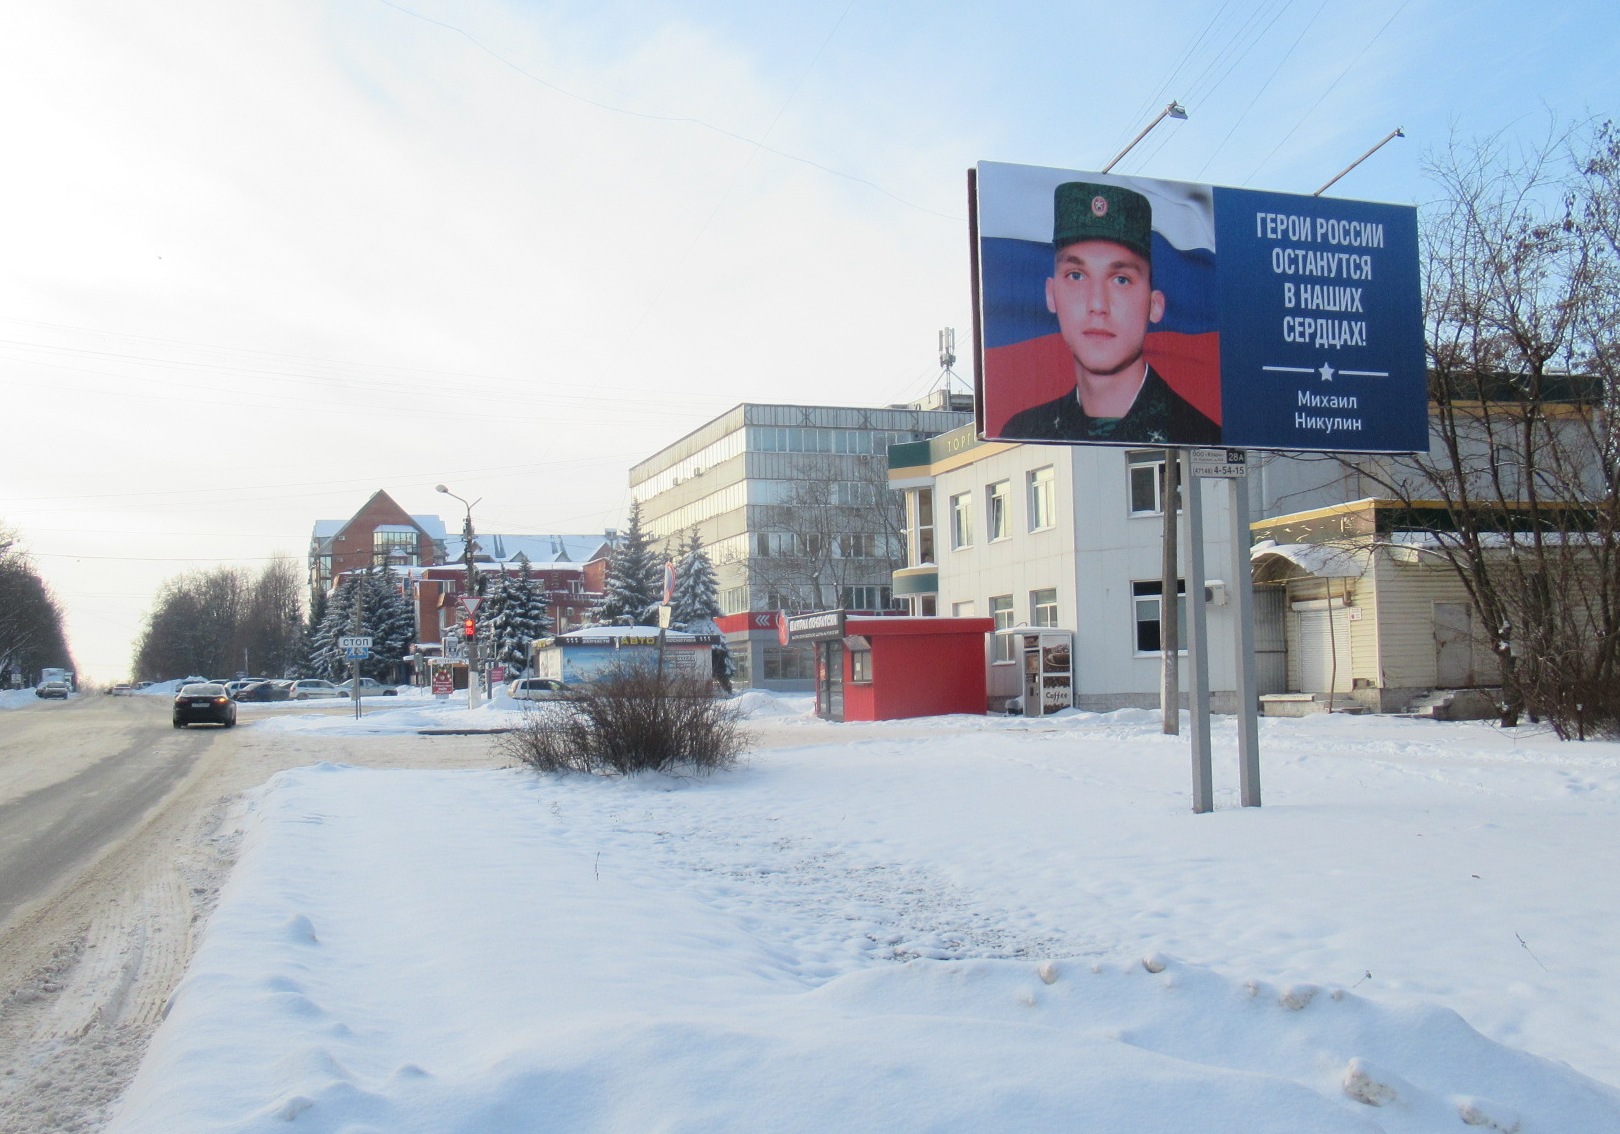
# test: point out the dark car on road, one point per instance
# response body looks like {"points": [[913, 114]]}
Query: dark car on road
{"points": [[52, 689], [205, 703], [263, 691]]}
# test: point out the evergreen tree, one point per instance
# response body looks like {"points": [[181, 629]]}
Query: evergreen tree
{"points": [[696, 604], [514, 612], [697, 592], [634, 582], [392, 621], [337, 619], [385, 615], [305, 666]]}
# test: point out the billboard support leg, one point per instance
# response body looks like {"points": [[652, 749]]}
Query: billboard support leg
{"points": [[1197, 647], [1248, 695]]}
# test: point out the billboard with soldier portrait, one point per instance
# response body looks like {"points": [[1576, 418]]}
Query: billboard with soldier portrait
{"points": [[1132, 311]]}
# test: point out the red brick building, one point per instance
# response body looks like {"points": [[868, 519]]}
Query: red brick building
{"points": [[428, 564], [381, 533]]}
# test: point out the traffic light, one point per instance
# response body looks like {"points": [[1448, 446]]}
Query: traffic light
{"points": [[469, 628]]}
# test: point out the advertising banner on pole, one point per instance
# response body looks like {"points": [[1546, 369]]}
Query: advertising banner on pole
{"points": [[1133, 311]]}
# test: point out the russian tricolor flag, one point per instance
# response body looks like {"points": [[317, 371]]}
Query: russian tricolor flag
{"points": [[1025, 361]]}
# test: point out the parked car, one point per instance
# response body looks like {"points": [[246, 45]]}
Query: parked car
{"points": [[262, 691], [121, 689], [535, 689], [52, 689], [309, 688], [370, 687], [203, 702]]}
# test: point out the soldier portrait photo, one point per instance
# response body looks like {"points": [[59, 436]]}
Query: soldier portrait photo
{"points": [[1129, 361]]}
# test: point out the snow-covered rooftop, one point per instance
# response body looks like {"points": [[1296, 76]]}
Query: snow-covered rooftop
{"points": [[1324, 560], [537, 549]]}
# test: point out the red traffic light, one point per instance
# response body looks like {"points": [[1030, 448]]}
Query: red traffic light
{"points": [[469, 628]]}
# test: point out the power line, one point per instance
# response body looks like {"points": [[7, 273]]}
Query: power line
{"points": [[678, 119], [1275, 71], [1347, 67]]}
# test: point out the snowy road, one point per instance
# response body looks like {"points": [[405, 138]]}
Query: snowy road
{"points": [[115, 834], [58, 814]]}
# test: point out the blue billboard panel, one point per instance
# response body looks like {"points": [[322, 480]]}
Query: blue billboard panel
{"points": [[1131, 311], [1322, 321]]}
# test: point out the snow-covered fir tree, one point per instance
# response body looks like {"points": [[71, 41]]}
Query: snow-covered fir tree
{"points": [[697, 591], [514, 613], [634, 581], [696, 603], [385, 615]]}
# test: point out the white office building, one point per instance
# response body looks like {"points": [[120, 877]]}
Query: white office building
{"points": [[793, 506], [1069, 538]]}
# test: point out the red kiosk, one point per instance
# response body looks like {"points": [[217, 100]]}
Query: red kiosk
{"points": [[879, 669]]}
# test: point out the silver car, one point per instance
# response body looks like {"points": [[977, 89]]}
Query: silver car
{"points": [[535, 689], [314, 687]]}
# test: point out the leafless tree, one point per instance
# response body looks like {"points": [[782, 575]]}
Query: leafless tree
{"points": [[1521, 275], [836, 525], [222, 620], [31, 633]]}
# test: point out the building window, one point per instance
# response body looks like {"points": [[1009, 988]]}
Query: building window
{"points": [[1043, 607], [789, 663], [861, 545], [996, 521], [384, 543], [1001, 609], [922, 528], [1147, 484], [733, 600], [1042, 486], [865, 598], [922, 606], [962, 521], [1145, 595], [860, 665]]}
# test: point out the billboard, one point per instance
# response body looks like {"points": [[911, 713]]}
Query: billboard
{"points": [[1134, 311]]}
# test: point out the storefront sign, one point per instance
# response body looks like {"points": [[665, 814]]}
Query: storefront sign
{"points": [[821, 626]]}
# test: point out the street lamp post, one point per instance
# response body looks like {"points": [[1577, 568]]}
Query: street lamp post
{"points": [[1174, 110], [1169, 574], [473, 700]]}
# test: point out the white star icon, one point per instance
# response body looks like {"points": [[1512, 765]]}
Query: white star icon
{"points": [[1326, 372]]}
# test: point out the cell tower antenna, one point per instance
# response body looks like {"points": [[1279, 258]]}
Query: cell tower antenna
{"points": [[947, 360]]}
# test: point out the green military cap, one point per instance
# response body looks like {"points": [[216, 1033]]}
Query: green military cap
{"points": [[1084, 210]]}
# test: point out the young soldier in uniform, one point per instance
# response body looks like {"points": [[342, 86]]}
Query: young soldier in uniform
{"points": [[1102, 293]]}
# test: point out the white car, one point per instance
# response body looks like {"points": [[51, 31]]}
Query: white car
{"points": [[314, 687], [535, 689], [371, 687]]}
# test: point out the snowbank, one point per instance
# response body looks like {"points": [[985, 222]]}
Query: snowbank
{"points": [[1009, 926]]}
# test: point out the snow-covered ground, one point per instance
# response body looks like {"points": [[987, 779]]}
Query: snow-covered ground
{"points": [[952, 924]]}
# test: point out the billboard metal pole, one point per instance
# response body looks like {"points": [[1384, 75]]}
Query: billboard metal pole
{"points": [[1169, 576], [1198, 648], [1247, 692]]}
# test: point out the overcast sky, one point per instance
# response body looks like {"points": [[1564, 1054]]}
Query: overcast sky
{"points": [[262, 259]]}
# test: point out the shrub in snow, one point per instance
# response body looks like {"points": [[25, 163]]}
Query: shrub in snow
{"points": [[632, 720]]}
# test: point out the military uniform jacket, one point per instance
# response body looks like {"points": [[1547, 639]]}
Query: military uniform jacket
{"points": [[1159, 416]]}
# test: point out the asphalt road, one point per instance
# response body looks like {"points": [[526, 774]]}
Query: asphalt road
{"points": [[76, 777], [116, 833]]}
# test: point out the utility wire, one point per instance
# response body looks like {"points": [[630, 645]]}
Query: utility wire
{"points": [[1347, 68], [680, 119], [1275, 71]]}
